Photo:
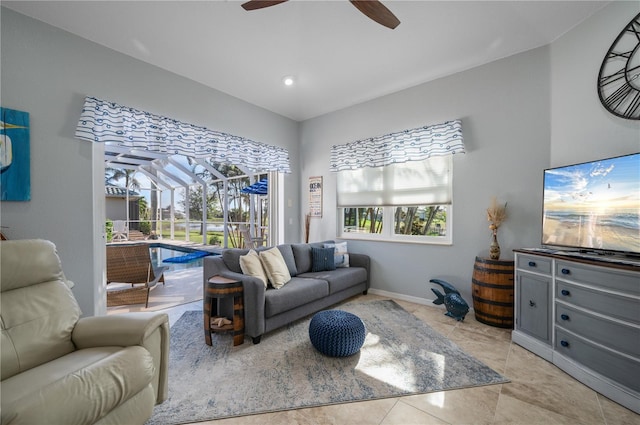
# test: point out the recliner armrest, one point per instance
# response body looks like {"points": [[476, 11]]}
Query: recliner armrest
{"points": [[118, 329], [149, 330]]}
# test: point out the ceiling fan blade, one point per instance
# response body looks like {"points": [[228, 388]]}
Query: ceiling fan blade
{"points": [[376, 11], [260, 4]]}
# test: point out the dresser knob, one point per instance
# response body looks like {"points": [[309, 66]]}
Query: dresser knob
{"points": [[565, 292], [564, 343], [564, 317], [566, 271], [532, 263], [532, 304]]}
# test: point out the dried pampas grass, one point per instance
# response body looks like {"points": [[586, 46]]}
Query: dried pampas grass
{"points": [[496, 214]]}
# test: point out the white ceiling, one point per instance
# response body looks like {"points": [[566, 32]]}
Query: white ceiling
{"points": [[337, 55]]}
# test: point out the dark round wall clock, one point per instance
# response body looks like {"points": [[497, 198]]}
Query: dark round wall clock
{"points": [[619, 78]]}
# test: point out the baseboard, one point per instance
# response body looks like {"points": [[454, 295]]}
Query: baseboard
{"points": [[409, 298], [395, 295]]}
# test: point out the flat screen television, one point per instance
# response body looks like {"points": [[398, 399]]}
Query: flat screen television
{"points": [[593, 206]]}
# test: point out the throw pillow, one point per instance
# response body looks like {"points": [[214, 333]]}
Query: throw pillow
{"points": [[341, 256], [322, 259], [275, 267], [251, 265]]}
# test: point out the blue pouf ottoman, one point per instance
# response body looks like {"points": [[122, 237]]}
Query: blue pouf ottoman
{"points": [[336, 333]]}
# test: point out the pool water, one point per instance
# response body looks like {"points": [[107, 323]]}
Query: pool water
{"points": [[159, 253]]}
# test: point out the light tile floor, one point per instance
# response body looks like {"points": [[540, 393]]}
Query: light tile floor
{"points": [[539, 392]]}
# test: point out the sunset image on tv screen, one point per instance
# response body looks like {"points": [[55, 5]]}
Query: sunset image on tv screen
{"points": [[595, 205]]}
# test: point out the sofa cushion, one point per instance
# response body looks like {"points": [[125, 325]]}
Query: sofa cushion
{"points": [[65, 391], [322, 259], [339, 279], [294, 294], [302, 254], [275, 267], [231, 258], [341, 255], [252, 266], [289, 259]]}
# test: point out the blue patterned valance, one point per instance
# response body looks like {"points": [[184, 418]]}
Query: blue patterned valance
{"points": [[416, 144], [103, 121]]}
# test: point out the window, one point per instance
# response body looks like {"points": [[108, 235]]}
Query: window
{"points": [[409, 202]]}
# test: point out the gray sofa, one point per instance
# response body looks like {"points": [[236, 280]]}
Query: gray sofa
{"points": [[306, 293]]}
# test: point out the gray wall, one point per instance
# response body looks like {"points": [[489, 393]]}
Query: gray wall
{"points": [[48, 72], [581, 128], [504, 111], [520, 115]]}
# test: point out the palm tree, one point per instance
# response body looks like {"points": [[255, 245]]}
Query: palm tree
{"points": [[112, 175]]}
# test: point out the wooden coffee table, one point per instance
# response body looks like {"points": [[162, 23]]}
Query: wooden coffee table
{"points": [[216, 288]]}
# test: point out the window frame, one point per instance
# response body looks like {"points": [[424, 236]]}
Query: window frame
{"points": [[388, 235]]}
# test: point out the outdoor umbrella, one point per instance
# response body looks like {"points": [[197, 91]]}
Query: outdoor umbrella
{"points": [[258, 188]]}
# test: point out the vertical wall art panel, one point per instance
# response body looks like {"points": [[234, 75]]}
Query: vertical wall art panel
{"points": [[15, 178], [315, 196]]}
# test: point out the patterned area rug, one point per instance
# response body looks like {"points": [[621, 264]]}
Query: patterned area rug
{"points": [[401, 356]]}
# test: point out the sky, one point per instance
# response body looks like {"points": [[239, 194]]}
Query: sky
{"points": [[601, 185]]}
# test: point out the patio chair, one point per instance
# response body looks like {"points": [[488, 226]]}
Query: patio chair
{"points": [[119, 230], [250, 242], [131, 265]]}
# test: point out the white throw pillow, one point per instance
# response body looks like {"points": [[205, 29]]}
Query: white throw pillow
{"points": [[340, 256], [251, 265], [275, 267]]}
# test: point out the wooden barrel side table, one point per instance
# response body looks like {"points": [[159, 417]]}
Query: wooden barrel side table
{"points": [[218, 288], [492, 290]]}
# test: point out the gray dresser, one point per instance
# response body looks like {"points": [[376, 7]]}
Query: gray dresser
{"points": [[582, 314]]}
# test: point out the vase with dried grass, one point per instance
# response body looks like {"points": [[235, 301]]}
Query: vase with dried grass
{"points": [[496, 215]]}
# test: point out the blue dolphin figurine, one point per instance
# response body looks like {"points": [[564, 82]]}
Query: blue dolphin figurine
{"points": [[456, 306]]}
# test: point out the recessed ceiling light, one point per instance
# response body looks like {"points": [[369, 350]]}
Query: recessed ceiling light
{"points": [[288, 80]]}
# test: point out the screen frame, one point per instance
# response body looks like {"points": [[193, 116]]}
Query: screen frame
{"points": [[577, 247]]}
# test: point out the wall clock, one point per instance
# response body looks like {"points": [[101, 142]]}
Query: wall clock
{"points": [[619, 78]]}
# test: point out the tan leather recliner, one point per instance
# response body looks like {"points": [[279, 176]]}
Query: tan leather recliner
{"points": [[60, 369]]}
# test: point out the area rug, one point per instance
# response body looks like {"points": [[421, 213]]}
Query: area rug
{"points": [[401, 356]]}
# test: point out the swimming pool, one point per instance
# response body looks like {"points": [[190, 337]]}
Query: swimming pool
{"points": [[160, 252]]}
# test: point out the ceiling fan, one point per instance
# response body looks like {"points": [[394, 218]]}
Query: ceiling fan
{"points": [[374, 9]]}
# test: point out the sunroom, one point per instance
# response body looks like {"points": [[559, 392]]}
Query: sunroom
{"points": [[183, 182]]}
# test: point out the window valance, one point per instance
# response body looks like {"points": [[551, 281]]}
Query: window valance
{"points": [[416, 144], [103, 121]]}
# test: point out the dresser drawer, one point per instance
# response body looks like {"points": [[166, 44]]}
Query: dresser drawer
{"points": [[612, 334], [534, 264], [617, 367], [609, 278], [618, 306]]}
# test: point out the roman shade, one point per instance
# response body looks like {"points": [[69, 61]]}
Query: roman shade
{"points": [[103, 121], [411, 183], [407, 168]]}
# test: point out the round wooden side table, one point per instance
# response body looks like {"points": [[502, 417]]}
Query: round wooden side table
{"points": [[218, 288]]}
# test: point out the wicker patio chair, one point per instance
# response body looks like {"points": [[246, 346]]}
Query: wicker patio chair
{"points": [[131, 264]]}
